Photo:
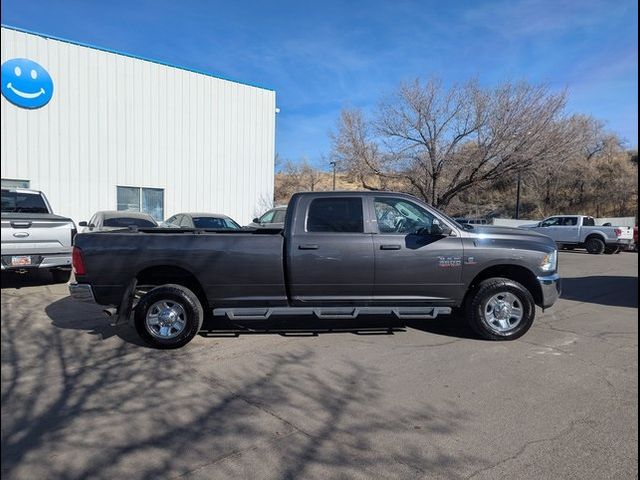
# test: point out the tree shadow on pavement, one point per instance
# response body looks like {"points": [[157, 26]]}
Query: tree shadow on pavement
{"points": [[607, 290], [96, 407]]}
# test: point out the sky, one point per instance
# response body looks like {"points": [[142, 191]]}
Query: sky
{"points": [[326, 55]]}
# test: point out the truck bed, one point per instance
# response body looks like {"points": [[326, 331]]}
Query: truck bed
{"points": [[224, 262]]}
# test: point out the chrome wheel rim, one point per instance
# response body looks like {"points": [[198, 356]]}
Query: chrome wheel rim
{"points": [[166, 319], [503, 312]]}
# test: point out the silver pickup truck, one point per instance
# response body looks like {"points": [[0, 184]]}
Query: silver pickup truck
{"points": [[579, 231], [33, 237]]}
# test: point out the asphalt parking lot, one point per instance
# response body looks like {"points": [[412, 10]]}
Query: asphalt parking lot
{"points": [[83, 400]]}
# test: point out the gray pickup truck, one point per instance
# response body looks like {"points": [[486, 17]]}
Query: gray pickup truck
{"points": [[340, 255], [33, 237]]}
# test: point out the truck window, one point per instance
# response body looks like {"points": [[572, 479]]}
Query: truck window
{"points": [[278, 217], [22, 202], [551, 222], [126, 222], [396, 215], [335, 215], [588, 222], [570, 221], [267, 217]]}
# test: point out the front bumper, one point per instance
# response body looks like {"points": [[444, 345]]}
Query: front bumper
{"points": [[551, 288], [82, 292]]}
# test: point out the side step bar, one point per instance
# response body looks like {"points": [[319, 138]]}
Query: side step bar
{"points": [[332, 313]]}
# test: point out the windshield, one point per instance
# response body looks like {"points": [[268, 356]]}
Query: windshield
{"points": [[215, 223], [22, 202], [128, 221], [460, 222]]}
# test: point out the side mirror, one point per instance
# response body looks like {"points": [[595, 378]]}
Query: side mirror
{"points": [[83, 224], [256, 220]]}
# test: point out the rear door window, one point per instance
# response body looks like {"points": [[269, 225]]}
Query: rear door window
{"points": [[588, 222], [339, 215]]}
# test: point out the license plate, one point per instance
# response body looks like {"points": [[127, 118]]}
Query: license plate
{"points": [[21, 261]]}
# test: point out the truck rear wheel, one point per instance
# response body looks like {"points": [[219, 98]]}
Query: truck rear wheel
{"points": [[168, 316], [595, 246], [500, 309]]}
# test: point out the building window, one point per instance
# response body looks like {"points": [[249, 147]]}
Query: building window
{"points": [[137, 199], [14, 183]]}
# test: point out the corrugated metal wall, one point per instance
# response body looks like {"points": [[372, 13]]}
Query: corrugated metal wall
{"points": [[116, 120]]}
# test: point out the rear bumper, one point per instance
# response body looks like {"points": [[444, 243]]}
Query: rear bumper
{"points": [[551, 288], [624, 242], [82, 292], [46, 260]]}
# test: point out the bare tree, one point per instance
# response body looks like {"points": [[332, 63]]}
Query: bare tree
{"points": [[441, 141], [296, 177]]}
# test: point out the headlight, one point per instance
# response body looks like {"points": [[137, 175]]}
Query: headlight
{"points": [[549, 262]]}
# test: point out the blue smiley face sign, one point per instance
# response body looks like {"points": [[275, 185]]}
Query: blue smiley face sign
{"points": [[25, 83]]}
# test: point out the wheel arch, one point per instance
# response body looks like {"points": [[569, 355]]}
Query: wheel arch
{"points": [[598, 235], [162, 274], [515, 272]]}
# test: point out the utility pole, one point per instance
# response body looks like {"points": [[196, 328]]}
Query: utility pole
{"points": [[518, 195], [333, 164]]}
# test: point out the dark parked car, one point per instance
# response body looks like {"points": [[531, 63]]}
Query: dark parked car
{"points": [[213, 221], [115, 220], [340, 255], [274, 218]]}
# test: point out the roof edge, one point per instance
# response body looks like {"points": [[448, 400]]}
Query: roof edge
{"points": [[130, 55]]}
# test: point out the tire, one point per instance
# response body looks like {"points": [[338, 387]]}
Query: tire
{"points": [[595, 246], [176, 305], [480, 312], [60, 276]]}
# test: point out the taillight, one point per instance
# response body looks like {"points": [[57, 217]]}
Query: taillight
{"points": [[77, 262], [618, 232]]}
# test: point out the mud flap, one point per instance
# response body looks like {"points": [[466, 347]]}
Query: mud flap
{"points": [[126, 304]]}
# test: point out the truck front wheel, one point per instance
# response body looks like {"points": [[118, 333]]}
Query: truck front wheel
{"points": [[500, 309], [168, 316]]}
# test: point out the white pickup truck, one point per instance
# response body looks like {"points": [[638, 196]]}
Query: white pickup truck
{"points": [[33, 237], [579, 231]]}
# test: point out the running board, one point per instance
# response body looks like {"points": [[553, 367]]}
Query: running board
{"points": [[332, 313]]}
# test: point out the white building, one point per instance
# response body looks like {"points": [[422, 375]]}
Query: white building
{"points": [[121, 132]]}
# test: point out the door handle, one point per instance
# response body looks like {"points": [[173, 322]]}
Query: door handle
{"points": [[308, 246], [390, 247]]}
